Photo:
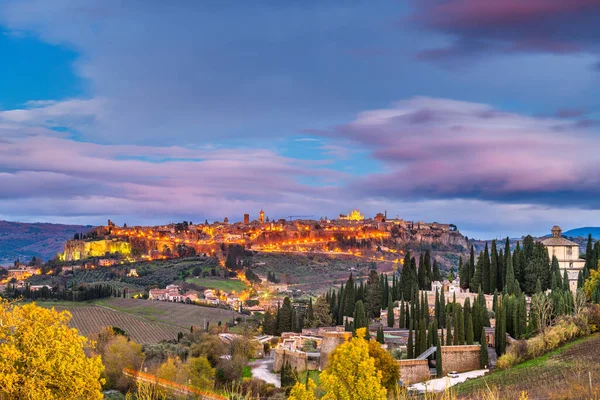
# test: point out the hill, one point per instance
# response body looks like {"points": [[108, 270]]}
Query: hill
{"points": [[584, 232], [145, 321], [24, 240], [565, 373]]}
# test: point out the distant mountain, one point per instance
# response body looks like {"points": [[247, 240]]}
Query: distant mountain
{"points": [[584, 232], [23, 240]]}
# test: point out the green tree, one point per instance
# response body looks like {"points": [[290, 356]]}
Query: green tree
{"points": [[483, 353], [285, 316], [349, 297], [494, 267], [200, 373], [360, 319], [485, 276], [373, 296], [390, 312], [436, 271], [409, 345], [438, 360], [380, 337]]}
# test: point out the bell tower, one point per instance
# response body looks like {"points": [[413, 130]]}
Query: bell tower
{"points": [[556, 231], [261, 216]]}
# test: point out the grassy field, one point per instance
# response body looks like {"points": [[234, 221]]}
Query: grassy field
{"points": [[145, 321], [227, 285], [562, 374]]}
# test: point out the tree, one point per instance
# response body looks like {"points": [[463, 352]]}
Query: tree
{"points": [[500, 330], [385, 363], [438, 360], [483, 354], [469, 339], [172, 370], [302, 391], [360, 319], [117, 354], [485, 276], [351, 373], [373, 296], [320, 314], [287, 377], [349, 297], [380, 337], [541, 309], [409, 345], [494, 268], [436, 271], [42, 358], [510, 274], [200, 372], [390, 312], [285, 316]]}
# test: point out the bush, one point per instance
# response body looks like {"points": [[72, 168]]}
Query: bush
{"points": [[565, 330], [507, 360], [593, 317]]}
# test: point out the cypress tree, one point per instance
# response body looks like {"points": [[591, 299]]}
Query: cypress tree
{"points": [[349, 297], [485, 276], [285, 316], [565, 282], [422, 337], [500, 331], [471, 265], [449, 335], [589, 254], [494, 267], [360, 318], [402, 318], [469, 336], [390, 310], [409, 346], [380, 337], [437, 306], [483, 354], [517, 265], [510, 275], [580, 280], [455, 323], [461, 325], [477, 278], [422, 273], [596, 296], [438, 360], [428, 270], [442, 320], [436, 271]]}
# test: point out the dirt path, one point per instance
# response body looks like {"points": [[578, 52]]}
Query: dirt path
{"points": [[261, 369]]}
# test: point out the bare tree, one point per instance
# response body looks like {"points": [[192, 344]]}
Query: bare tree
{"points": [[541, 306], [579, 303]]}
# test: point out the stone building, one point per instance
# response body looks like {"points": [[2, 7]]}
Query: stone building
{"points": [[567, 253]]}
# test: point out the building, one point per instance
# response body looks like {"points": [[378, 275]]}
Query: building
{"points": [[246, 219], [261, 216], [567, 254], [354, 215]]}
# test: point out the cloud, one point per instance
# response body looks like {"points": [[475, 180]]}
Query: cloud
{"points": [[446, 149], [546, 26]]}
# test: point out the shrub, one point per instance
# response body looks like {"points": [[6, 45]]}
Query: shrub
{"points": [[593, 317], [507, 360]]}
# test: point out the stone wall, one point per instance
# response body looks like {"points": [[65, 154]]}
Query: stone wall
{"points": [[412, 371], [299, 360], [331, 340], [460, 358]]}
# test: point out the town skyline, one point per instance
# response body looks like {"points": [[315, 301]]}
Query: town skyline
{"points": [[148, 113]]}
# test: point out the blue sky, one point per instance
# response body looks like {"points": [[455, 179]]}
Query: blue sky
{"points": [[479, 114]]}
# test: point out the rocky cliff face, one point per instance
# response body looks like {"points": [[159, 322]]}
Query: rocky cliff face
{"points": [[80, 249]]}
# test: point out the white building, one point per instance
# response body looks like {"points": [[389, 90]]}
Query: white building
{"points": [[567, 254]]}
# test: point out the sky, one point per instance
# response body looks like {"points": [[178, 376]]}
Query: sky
{"points": [[481, 114]]}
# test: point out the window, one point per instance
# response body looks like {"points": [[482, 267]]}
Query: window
{"points": [[569, 251]]}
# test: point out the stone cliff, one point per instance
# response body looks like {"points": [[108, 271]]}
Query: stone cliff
{"points": [[81, 249]]}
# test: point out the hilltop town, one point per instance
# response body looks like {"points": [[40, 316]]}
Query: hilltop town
{"points": [[377, 239]]}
